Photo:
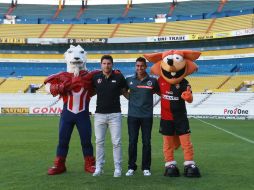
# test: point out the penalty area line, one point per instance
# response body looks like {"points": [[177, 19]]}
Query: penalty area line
{"points": [[231, 133]]}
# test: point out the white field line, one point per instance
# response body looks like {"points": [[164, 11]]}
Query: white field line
{"points": [[231, 133]]}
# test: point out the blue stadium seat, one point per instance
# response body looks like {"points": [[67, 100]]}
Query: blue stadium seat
{"points": [[120, 20], [214, 15], [96, 21], [142, 19], [22, 20], [206, 67], [171, 18], [239, 12], [189, 17]]}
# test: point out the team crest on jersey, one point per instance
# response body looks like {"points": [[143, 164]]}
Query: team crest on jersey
{"points": [[177, 86], [99, 81], [149, 83]]}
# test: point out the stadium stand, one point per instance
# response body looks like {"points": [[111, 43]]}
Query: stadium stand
{"points": [[19, 85], [215, 75], [137, 10], [223, 99], [236, 82], [38, 11], [126, 30], [3, 9], [203, 84]]}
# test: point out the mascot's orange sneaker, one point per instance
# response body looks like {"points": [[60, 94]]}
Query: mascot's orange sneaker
{"points": [[59, 166], [89, 164]]}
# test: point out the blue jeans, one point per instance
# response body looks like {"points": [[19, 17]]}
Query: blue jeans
{"points": [[134, 124]]}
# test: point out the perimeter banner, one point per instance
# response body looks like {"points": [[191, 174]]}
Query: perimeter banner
{"points": [[13, 40], [15, 110], [87, 40]]}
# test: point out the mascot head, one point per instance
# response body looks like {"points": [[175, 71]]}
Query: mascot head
{"points": [[173, 65], [75, 58]]}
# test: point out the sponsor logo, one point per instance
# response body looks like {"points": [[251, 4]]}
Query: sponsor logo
{"points": [[15, 110], [12, 40], [99, 81], [235, 111], [169, 92], [46, 110], [114, 81], [167, 97], [149, 83], [87, 40], [147, 87], [201, 36]]}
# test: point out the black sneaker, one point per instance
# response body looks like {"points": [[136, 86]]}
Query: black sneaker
{"points": [[191, 170], [172, 171]]}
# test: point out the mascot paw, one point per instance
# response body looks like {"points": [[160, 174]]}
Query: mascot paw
{"points": [[191, 170], [171, 171], [187, 95]]}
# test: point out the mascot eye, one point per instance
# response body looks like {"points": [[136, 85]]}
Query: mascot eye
{"points": [[82, 52], [177, 58], [165, 59], [70, 51]]}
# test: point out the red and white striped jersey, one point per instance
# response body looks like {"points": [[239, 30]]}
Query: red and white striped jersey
{"points": [[77, 101]]}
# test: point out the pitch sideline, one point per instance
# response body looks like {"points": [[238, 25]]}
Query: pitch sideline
{"points": [[231, 133]]}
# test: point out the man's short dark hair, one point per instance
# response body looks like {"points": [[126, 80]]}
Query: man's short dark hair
{"points": [[108, 57], [141, 59]]}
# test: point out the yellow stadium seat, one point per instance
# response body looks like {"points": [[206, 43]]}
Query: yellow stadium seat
{"points": [[236, 82], [204, 84], [126, 30], [20, 85]]}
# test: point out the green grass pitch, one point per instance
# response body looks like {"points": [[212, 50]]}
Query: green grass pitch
{"points": [[28, 144]]}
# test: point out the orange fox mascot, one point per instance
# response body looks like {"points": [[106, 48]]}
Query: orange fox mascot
{"points": [[171, 67]]}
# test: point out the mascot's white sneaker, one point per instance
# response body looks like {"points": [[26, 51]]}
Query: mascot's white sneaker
{"points": [[117, 173], [130, 172], [147, 173]]}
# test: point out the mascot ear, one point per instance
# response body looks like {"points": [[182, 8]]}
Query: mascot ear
{"points": [[191, 55], [153, 57], [79, 46], [156, 69], [191, 67]]}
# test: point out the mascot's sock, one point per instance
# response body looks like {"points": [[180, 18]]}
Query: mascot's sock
{"points": [[168, 148], [59, 166], [89, 164], [187, 146]]}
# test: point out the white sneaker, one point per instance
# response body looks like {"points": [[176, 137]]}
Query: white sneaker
{"points": [[130, 172], [97, 172], [147, 173], [117, 173]]}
